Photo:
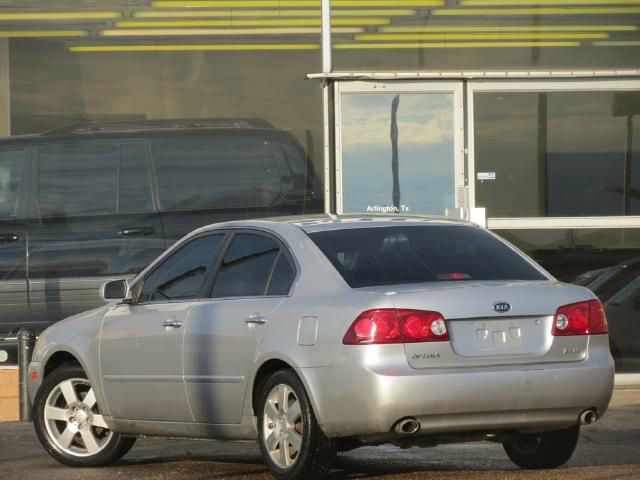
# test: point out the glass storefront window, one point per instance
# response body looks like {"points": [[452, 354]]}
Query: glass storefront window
{"points": [[485, 35], [607, 261], [557, 153], [397, 153]]}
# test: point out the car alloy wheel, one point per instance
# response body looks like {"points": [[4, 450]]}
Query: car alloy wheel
{"points": [[283, 427], [73, 421]]}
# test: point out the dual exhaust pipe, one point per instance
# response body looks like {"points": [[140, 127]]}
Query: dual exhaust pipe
{"points": [[411, 426]]}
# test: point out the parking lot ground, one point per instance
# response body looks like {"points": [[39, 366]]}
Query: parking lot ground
{"points": [[610, 449]]}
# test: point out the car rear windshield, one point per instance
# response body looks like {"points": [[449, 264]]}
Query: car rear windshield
{"points": [[413, 254]]}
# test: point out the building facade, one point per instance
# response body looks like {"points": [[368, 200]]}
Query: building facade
{"points": [[522, 115]]}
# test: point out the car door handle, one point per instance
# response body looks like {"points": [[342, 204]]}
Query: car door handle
{"points": [[137, 232], [172, 324], [8, 238], [256, 320]]}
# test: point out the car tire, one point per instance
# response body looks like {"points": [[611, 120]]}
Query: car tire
{"points": [[69, 425], [291, 441], [545, 450]]}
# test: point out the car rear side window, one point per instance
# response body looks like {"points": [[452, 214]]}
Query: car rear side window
{"points": [[92, 178], [216, 172], [413, 254], [181, 276], [282, 276], [11, 173], [247, 267]]}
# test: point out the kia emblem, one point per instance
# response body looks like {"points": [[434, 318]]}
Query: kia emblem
{"points": [[501, 307]]}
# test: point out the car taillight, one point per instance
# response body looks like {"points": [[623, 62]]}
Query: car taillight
{"points": [[390, 325], [582, 318]]}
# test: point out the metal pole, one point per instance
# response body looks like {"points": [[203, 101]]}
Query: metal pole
{"points": [[326, 36], [26, 342]]}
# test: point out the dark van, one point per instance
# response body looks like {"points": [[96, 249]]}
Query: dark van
{"points": [[85, 203]]}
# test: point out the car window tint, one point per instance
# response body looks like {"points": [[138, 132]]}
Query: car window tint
{"points": [[135, 182], [181, 276], [401, 254], [92, 178], [11, 173], [282, 276], [215, 172], [246, 267]]}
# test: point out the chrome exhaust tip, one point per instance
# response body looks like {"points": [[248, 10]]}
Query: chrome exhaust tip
{"points": [[588, 417], [407, 426]]}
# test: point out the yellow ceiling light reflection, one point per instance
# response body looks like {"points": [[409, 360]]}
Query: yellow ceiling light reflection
{"points": [[169, 32], [250, 23], [618, 43], [299, 22], [536, 11], [270, 13], [86, 15], [193, 48], [292, 3], [42, 33], [488, 3], [510, 28], [482, 36], [414, 45]]}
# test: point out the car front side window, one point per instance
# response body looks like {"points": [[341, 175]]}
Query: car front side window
{"points": [[182, 275]]}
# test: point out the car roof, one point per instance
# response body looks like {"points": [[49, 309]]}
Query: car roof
{"points": [[150, 128], [323, 222]]}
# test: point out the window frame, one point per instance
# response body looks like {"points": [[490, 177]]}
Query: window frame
{"points": [[116, 143], [284, 249]]}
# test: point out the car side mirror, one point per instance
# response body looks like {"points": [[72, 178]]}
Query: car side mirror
{"points": [[114, 290]]}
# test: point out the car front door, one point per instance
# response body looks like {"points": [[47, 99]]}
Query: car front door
{"points": [[141, 344], [223, 332]]}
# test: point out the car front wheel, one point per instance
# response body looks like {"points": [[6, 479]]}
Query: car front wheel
{"points": [[69, 423], [291, 441], [544, 450]]}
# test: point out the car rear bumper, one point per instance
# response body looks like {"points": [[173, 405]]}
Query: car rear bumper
{"points": [[369, 388]]}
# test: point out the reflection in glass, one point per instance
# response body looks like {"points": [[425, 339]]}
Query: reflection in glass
{"points": [[560, 154], [397, 153], [607, 261]]}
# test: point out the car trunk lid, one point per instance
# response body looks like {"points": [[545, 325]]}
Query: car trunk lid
{"points": [[492, 323]]}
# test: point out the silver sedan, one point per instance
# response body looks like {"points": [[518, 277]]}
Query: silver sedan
{"points": [[322, 335]]}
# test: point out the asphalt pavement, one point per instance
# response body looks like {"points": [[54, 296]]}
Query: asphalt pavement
{"points": [[610, 449]]}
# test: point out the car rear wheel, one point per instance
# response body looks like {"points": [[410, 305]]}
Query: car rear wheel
{"points": [[292, 443], [69, 424], [544, 450]]}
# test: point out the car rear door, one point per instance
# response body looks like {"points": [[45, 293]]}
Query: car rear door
{"points": [[141, 345], [223, 332], [14, 305], [93, 219]]}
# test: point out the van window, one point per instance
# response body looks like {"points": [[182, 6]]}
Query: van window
{"points": [[92, 178], [11, 173], [215, 172]]}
